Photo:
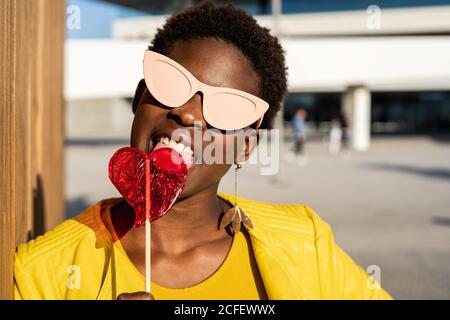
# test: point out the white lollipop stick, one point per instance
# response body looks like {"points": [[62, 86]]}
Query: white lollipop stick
{"points": [[148, 234]]}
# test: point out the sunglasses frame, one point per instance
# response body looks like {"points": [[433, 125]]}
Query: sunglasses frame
{"points": [[260, 105]]}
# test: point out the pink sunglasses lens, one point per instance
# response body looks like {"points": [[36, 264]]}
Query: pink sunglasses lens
{"points": [[229, 111], [170, 85]]}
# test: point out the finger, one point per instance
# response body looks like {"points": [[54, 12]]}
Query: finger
{"points": [[141, 295]]}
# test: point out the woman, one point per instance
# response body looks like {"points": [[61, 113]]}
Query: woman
{"points": [[286, 252]]}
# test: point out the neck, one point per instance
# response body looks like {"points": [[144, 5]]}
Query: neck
{"points": [[192, 220]]}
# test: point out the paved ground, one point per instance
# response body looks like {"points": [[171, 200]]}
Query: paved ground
{"points": [[389, 206]]}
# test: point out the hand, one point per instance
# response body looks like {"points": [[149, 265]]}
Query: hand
{"points": [[141, 295]]}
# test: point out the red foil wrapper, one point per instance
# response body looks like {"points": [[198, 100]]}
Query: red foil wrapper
{"points": [[168, 174]]}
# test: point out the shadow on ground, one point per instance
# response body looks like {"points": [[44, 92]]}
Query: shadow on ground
{"points": [[437, 173], [441, 221]]}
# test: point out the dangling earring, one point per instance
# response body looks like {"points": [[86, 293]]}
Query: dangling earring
{"points": [[235, 216]]}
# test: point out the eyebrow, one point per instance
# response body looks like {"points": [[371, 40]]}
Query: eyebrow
{"points": [[210, 83]]}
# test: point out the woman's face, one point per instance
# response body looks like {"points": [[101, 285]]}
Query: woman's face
{"points": [[215, 63]]}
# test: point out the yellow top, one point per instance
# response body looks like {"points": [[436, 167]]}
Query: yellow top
{"points": [[294, 251], [234, 279]]}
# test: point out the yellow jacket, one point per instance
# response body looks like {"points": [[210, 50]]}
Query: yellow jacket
{"points": [[294, 249]]}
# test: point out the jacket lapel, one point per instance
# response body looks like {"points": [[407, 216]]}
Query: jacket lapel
{"points": [[276, 281], [281, 251]]}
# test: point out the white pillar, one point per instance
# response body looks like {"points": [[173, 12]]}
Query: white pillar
{"points": [[356, 106], [276, 13]]}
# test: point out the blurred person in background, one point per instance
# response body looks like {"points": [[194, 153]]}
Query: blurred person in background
{"points": [[299, 135], [338, 137], [345, 146], [335, 138]]}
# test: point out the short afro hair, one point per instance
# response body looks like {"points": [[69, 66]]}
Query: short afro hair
{"points": [[235, 26]]}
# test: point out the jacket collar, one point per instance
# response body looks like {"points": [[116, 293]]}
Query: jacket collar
{"points": [[278, 251]]}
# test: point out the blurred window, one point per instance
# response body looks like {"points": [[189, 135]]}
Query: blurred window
{"points": [[411, 112], [310, 6], [391, 112]]}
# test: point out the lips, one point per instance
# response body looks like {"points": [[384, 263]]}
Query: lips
{"points": [[182, 147], [187, 158]]}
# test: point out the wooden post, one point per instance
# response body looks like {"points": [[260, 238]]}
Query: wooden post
{"points": [[31, 125]]}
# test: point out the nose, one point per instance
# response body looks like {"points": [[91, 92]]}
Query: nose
{"points": [[190, 112]]}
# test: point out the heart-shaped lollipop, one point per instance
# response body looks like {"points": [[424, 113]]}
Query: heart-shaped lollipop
{"points": [[167, 176]]}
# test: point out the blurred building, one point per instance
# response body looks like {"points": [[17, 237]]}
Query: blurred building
{"points": [[386, 67]]}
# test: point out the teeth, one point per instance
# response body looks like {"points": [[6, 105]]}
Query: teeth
{"points": [[177, 146], [188, 150]]}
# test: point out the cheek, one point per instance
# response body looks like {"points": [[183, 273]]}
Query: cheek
{"points": [[145, 118], [219, 149]]}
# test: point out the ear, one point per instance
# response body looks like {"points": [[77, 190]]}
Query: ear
{"points": [[138, 94], [250, 143], [258, 124]]}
